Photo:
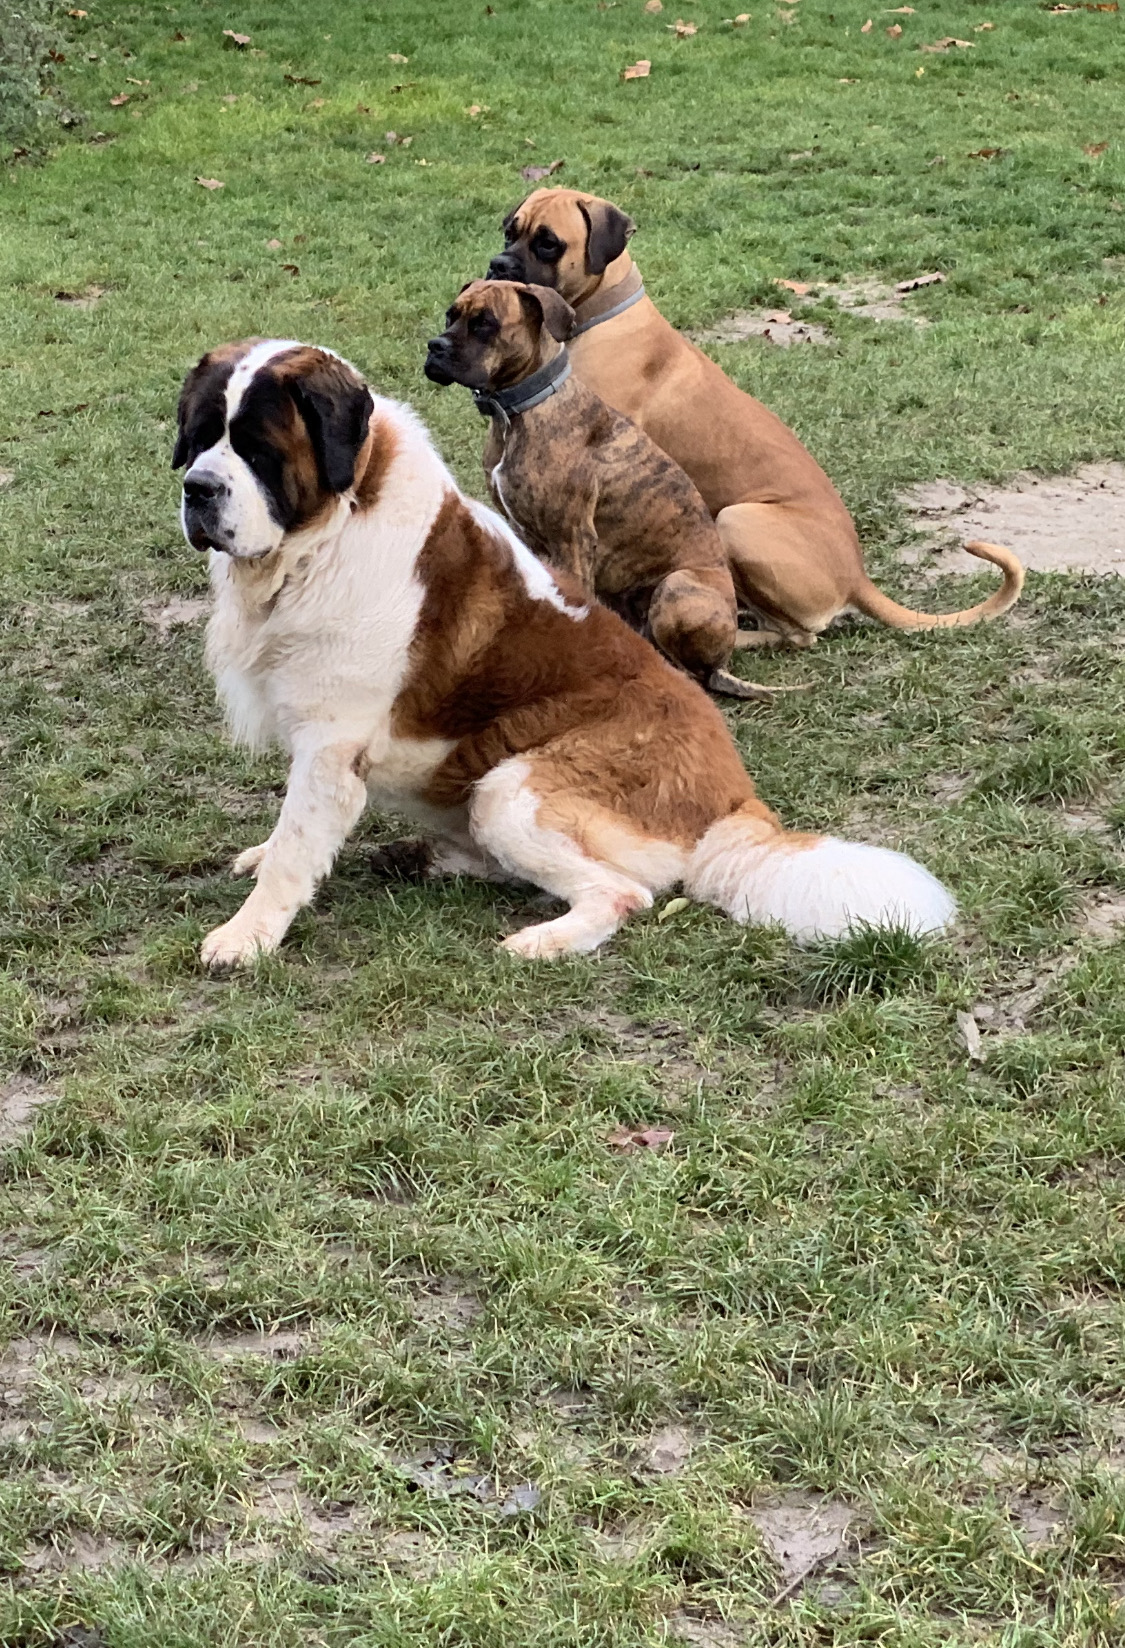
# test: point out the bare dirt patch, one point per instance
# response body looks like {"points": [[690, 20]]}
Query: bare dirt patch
{"points": [[447, 1304], [180, 611], [667, 1451], [1103, 916], [1062, 523], [20, 1100], [88, 298], [775, 326], [703, 1633], [805, 1533], [1038, 1524], [276, 1347]]}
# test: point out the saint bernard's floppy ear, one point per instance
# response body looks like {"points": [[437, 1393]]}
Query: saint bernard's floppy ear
{"points": [[608, 231], [549, 309], [336, 408], [201, 414]]}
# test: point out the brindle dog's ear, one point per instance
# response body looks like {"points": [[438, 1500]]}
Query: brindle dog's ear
{"points": [[337, 410], [608, 230], [549, 309]]}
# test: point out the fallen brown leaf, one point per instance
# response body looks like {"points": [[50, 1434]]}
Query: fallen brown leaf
{"points": [[116, 102], [210, 183], [630, 1139], [274, 245], [476, 108], [291, 268], [77, 13], [300, 80], [847, 82], [777, 317], [935, 278], [944, 45], [397, 57], [983, 28], [376, 159], [179, 36], [1095, 148], [404, 85], [867, 27], [317, 103], [800, 287], [895, 30], [901, 11], [637, 71], [236, 39], [985, 154], [535, 174], [742, 18], [682, 30], [654, 5]]}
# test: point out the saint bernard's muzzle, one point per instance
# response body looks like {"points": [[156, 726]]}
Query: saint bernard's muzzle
{"points": [[270, 433]]}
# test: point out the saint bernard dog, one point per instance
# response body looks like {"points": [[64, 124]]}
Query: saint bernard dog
{"points": [[402, 646]]}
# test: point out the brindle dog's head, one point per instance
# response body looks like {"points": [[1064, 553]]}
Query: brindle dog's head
{"points": [[497, 332], [563, 239], [270, 433]]}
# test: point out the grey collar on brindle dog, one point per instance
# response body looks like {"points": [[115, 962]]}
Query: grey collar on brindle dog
{"points": [[521, 397]]}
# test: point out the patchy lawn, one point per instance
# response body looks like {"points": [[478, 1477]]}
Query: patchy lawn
{"points": [[365, 1300]]}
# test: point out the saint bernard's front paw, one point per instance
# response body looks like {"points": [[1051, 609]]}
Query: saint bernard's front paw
{"points": [[237, 943]]}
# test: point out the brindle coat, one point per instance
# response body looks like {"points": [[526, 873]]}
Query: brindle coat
{"points": [[589, 492]]}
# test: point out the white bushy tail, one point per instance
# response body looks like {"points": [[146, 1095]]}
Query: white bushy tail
{"points": [[815, 886]]}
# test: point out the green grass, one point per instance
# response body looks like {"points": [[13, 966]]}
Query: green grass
{"points": [[866, 1266]]}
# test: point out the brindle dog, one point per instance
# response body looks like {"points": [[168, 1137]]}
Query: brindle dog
{"points": [[588, 490]]}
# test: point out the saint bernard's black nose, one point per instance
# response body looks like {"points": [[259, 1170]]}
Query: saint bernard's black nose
{"points": [[201, 490]]}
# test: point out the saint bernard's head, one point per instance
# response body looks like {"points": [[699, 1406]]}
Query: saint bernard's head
{"points": [[272, 434]]}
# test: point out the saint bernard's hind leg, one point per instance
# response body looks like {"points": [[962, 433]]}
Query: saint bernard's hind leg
{"points": [[537, 839], [323, 802]]}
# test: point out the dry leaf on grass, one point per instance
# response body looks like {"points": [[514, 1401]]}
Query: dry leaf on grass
{"points": [[77, 13], [969, 1031], [179, 37], [682, 30], [985, 154], [397, 57], [291, 268], [476, 108], [392, 139], [638, 70], [535, 174], [241, 41], [738, 22], [800, 287], [915, 284], [895, 30], [867, 27], [1095, 149], [673, 908], [946, 43], [274, 245], [210, 183], [900, 11], [116, 102], [654, 5], [983, 28], [376, 160], [628, 1140], [301, 80]]}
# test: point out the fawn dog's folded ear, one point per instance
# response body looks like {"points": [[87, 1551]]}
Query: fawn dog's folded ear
{"points": [[549, 309], [607, 233]]}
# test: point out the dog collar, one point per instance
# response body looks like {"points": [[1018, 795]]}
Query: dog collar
{"points": [[521, 397], [608, 305]]}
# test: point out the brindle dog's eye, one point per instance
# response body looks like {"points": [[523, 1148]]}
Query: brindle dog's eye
{"points": [[482, 326]]}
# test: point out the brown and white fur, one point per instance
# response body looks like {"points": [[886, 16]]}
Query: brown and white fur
{"points": [[793, 551], [403, 646]]}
